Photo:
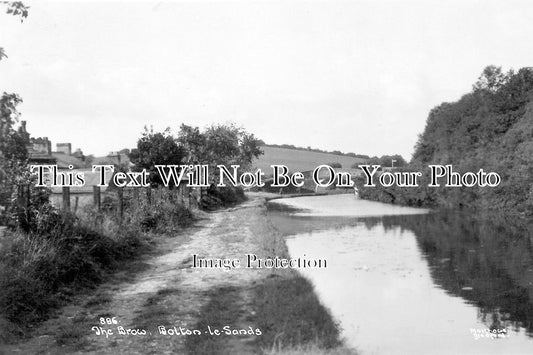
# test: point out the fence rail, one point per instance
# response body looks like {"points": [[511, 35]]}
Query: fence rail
{"points": [[114, 198]]}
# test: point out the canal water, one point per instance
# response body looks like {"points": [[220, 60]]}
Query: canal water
{"points": [[409, 281]]}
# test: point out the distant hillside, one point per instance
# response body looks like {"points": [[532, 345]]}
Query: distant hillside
{"points": [[300, 160], [489, 128], [310, 149]]}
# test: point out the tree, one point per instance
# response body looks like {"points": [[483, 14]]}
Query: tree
{"points": [[194, 143], [15, 8], [10, 146], [490, 129], [386, 161], [13, 151], [491, 79], [9, 141], [220, 145], [250, 148], [156, 148]]}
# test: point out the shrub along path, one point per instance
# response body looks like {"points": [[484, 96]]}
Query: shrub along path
{"points": [[163, 290]]}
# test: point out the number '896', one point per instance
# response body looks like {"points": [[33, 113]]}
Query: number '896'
{"points": [[108, 320]]}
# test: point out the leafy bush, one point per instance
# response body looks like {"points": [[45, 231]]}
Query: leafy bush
{"points": [[226, 196], [161, 216]]}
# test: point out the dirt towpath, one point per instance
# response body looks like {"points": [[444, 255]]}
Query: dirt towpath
{"points": [[165, 291]]}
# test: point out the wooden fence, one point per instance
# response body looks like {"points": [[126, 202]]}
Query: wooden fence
{"points": [[113, 199]]}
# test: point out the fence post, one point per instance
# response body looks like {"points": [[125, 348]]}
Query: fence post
{"points": [[66, 198], [136, 195], [149, 195], [120, 193], [23, 195], [23, 202], [170, 194], [96, 198]]}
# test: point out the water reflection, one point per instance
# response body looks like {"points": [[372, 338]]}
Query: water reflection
{"points": [[487, 262], [399, 282]]}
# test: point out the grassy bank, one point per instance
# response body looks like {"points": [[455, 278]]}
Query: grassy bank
{"points": [[285, 304], [282, 304], [62, 255]]}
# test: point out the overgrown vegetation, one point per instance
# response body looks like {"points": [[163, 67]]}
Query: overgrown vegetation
{"points": [[222, 197], [13, 152], [60, 254], [489, 128]]}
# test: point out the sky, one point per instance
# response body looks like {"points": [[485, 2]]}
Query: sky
{"points": [[354, 76]]}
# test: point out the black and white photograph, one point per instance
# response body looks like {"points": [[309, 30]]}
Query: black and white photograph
{"points": [[272, 177]]}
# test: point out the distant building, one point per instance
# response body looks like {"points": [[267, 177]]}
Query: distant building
{"points": [[40, 151], [79, 154], [65, 148], [65, 158]]}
